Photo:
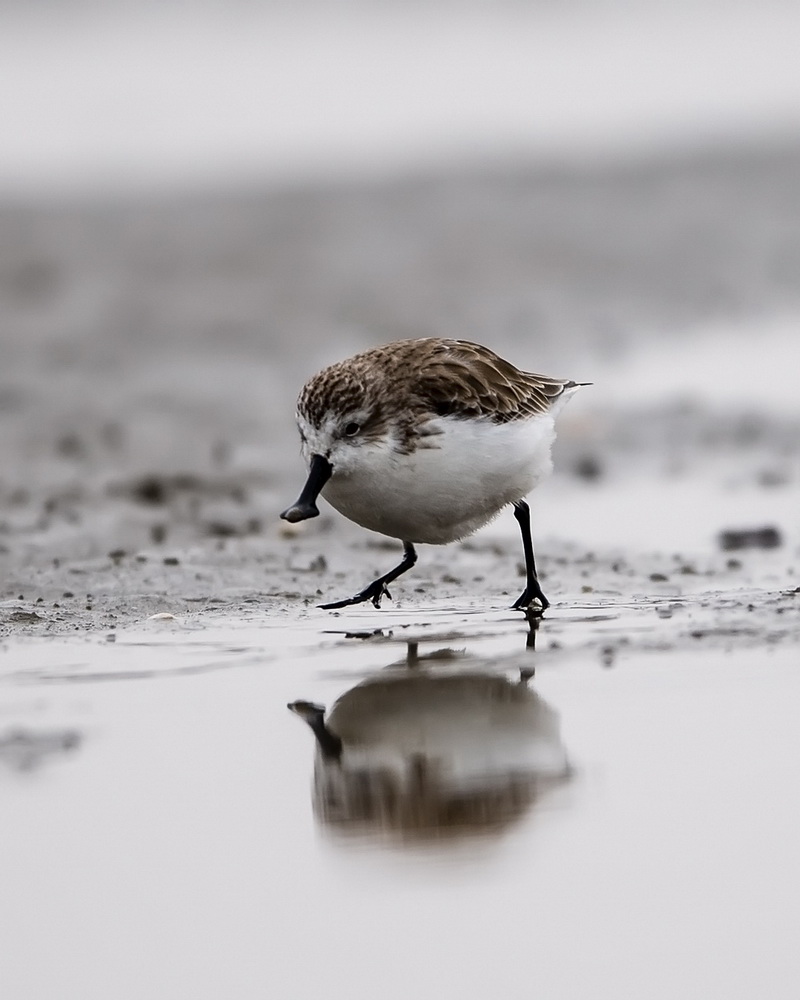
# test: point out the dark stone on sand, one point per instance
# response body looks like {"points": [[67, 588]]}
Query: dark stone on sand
{"points": [[772, 478], [222, 529], [588, 467], [25, 617], [155, 490], [750, 538], [149, 490], [24, 749], [70, 445]]}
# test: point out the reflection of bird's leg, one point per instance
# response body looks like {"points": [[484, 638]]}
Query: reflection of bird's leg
{"points": [[412, 654], [533, 618]]}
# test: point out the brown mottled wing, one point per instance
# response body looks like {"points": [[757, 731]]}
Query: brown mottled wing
{"points": [[467, 380]]}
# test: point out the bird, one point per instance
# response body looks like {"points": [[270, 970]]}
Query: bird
{"points": [[425, 441]]}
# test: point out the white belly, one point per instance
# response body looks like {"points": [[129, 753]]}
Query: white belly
{"points": [[440, 493]]}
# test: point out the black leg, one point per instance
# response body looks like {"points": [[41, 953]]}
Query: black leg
{"points": [[532, 591], [378, 588]]}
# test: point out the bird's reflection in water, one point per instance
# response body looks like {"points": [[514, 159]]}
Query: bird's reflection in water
{"points": [[430, 755]]}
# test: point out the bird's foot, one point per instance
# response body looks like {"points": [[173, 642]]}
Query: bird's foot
{"points": [[374, 592], [526, 599]]}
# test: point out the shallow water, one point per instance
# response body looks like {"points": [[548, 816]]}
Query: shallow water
{"points": [[626, 828]]}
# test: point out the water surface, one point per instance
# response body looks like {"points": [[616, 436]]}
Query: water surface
{"points": [[163, 839]]}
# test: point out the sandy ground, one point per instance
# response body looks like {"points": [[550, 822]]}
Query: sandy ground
{"points": [[152, 351]]}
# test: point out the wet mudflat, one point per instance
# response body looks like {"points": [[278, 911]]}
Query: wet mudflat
{"points": [[604, 806], [512, 809]]}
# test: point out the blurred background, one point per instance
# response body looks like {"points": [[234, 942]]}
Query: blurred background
{"points": [[201, 203]]}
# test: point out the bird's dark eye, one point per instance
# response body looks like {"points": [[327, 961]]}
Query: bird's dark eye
{"points": [[352, 429]]}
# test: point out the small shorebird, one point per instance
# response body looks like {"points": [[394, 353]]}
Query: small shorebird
{"points": [[426, 441]]}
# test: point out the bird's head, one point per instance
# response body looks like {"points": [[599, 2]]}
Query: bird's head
{"points": [[341, 418]]}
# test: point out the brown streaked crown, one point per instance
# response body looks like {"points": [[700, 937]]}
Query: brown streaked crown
{"points": [[431, 376]]}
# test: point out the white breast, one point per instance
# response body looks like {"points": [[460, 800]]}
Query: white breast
{"points": [[468, 471]]}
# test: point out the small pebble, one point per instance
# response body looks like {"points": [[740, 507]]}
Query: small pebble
{"points": [[767, 537], [588, 467]]}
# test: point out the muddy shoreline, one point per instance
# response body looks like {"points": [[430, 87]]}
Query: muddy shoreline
{"points": [[152, 350]]}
